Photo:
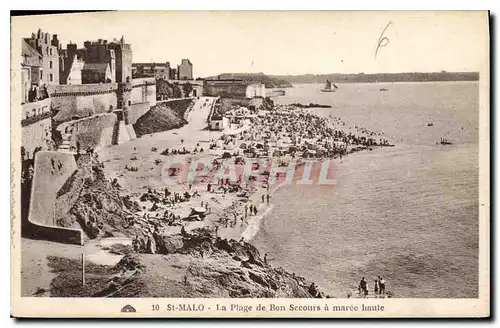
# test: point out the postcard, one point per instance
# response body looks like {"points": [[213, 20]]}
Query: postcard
{"points": [[257, 164]]}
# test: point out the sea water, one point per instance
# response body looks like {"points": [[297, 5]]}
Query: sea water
{"points": [[407, 213]]}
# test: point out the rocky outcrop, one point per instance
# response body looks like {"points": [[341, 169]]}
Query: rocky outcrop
{"points": [[203, 267], [90, 202]]}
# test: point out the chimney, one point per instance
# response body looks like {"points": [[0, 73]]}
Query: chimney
{"points": [[61, 64], [55, 41]]}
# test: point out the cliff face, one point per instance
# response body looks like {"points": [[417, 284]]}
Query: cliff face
{"points": [[89, 201]]}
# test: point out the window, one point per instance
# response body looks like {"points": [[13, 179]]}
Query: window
{"points": [[50, 51], [50, 64], [51, 77], [41, 75], [47, 51]]}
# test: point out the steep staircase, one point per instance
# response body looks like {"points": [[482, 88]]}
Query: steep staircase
{"points": [[65, 146], [116, 133], [120, 133]]}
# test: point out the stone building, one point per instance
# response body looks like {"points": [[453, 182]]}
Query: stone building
{"points": [[100, 54], [157, 70], [255, 90], [101, 61], [31, 63], [233, 88], [123, 53], [96, 73], [71, 62], [185, 70], [47, 46]]}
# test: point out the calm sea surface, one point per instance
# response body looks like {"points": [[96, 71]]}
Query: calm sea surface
{"points": [[408, 213]]}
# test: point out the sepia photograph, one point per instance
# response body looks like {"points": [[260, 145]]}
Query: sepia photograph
{"points": [[250, 163]]}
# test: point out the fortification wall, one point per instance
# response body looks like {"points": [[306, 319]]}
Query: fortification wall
{"points": [[38, 134], [70, 101], [135, 111], [34, 109], [51, 170], [90, 132], [225, 89]]}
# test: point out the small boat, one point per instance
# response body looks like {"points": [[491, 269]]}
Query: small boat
{"points": [[384, 89], [430, 124], [445, 141], [328, 87]]}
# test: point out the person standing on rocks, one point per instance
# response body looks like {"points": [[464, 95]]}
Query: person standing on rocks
{"points": [[362, 287], [246, 211], [382, 283]]}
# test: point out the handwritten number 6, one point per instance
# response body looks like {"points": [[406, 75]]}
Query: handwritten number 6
{"points": [[382, 40]]}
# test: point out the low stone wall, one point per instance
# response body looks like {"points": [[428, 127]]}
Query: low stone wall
{"points": [[38, 134], [51, 171]]}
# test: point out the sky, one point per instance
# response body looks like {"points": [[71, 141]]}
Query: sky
{"points": [[284, 42]]}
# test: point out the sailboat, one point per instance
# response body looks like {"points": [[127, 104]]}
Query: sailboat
{"points": [[328, 87]]}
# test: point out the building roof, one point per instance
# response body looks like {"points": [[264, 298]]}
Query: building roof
{"points": [[96, 67], [32, 56]]}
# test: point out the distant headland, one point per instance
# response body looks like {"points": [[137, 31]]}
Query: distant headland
{"points": [[380, 77]]}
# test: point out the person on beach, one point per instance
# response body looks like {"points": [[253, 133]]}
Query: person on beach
{"points": [[265, 258], [209, 187], [255, 210], [375, 288], [263, 198], [268, 198], [251, 209], [246, 211]]}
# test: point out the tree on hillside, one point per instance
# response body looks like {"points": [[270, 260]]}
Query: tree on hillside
{"points": [[187, 88], [177, 90]]}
